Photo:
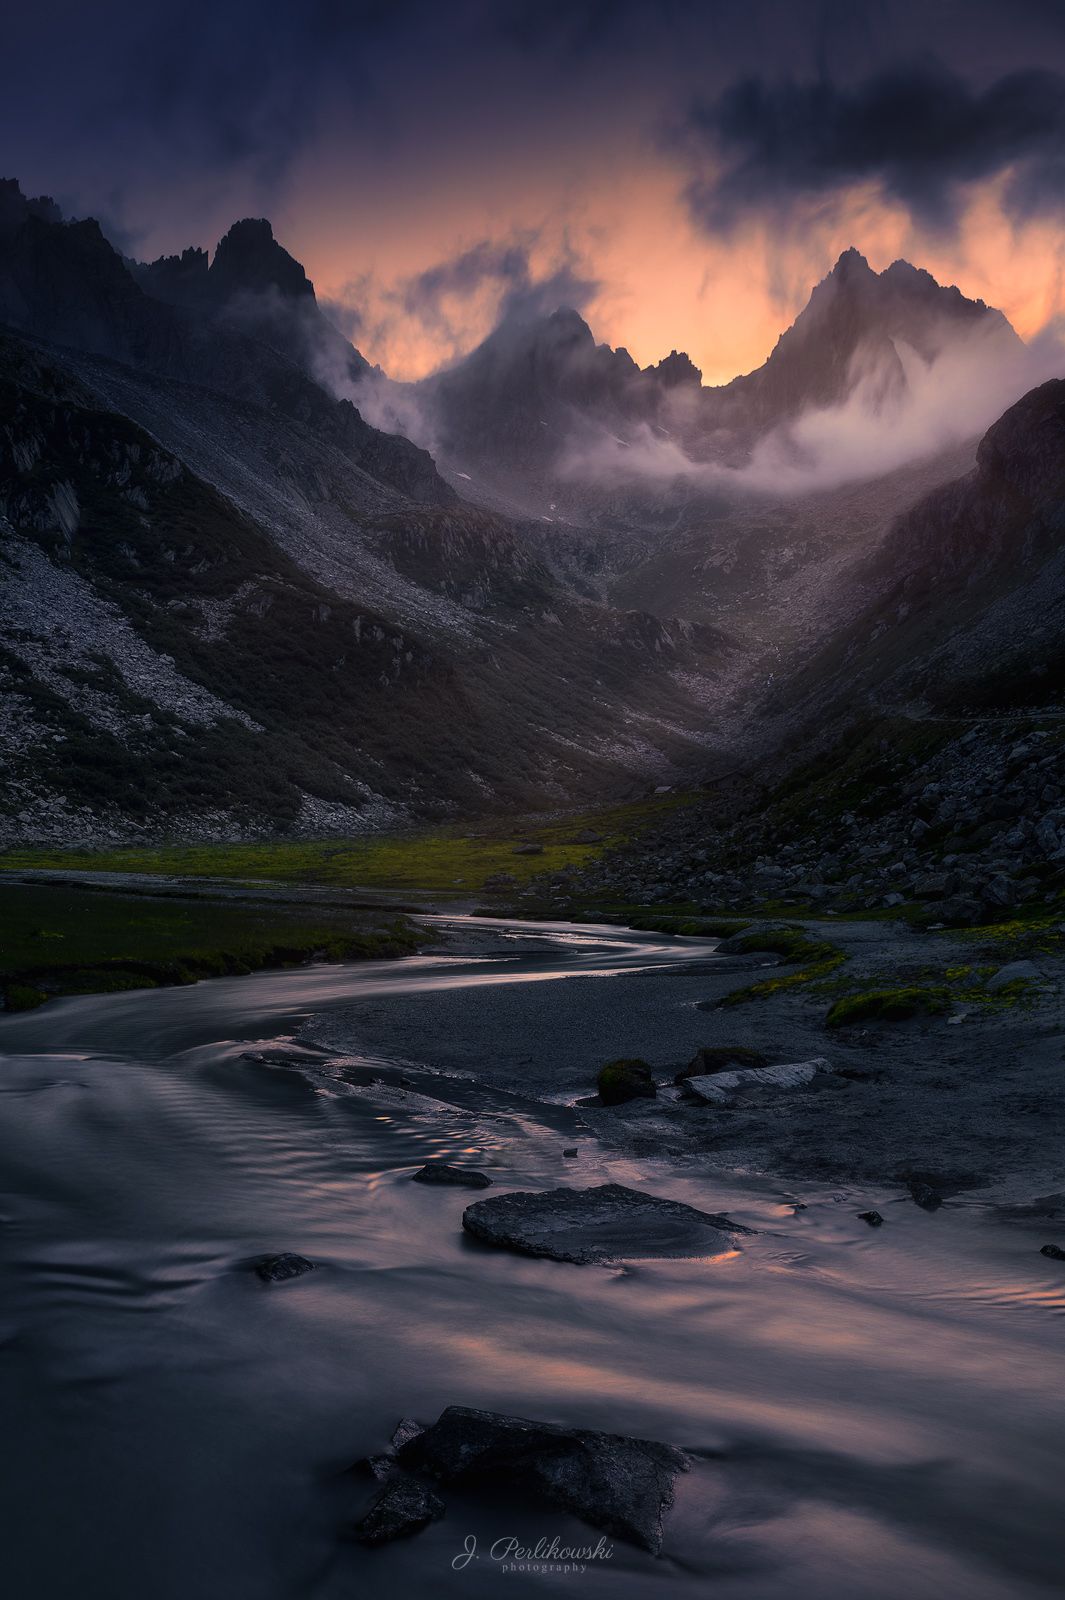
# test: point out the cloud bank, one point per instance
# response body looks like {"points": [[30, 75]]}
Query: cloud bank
{"points": [[918, 130]]}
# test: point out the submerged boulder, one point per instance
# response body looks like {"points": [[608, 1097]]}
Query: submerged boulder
{"points": [[619, 1484], [456, 1177], [607, 1223], [278, 1269], [405, 1507], [627, 1079]]}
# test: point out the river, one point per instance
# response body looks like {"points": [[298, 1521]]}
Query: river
{"points": [[871, 1412]]}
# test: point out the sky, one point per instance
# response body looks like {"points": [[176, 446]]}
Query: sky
{"points": [[683, 172]]}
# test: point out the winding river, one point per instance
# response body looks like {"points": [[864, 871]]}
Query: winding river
{"points": [[871, 1413]]}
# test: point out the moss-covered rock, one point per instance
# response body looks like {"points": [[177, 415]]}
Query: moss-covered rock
{"points": [[888, 1005], [626, 1079]]}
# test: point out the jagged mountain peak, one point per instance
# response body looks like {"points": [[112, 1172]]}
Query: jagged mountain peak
{"points": [[248, 259], [675, 369], [16, 207]]}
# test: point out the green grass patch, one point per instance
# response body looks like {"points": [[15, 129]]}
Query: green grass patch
{"points": [[687, 926], [888, 1005], [814, 960], [434, 861], [80, 940]]}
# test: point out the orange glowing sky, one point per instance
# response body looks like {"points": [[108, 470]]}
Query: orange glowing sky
{"points": [[383, 140], [664, 283]]}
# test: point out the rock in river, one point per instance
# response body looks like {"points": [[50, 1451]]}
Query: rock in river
{"points": [[405, 1507], [607, 1223], [278, 1269], [621, 1485], [457, 1177], [1054, 1251]]}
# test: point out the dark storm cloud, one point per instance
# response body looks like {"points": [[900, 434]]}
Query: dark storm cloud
{"points": [[920, 130], [506, 265]]}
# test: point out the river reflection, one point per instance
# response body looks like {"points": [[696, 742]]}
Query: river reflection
{"points": [[869, 1412]]}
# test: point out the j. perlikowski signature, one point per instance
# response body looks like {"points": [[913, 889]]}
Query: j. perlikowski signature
{"points": [[513, 1556]]}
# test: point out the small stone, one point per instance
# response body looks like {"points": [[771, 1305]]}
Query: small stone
{"points": [[1054, 1251], [873, 1218], [440, 1172], [528, 850], [278, 1269], [570, 1154], [925, 1196]]}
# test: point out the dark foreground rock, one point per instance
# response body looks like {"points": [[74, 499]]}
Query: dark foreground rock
{"points": [[873, 1218], [455, 1177], [621, 1485], [405, 1507], [1054, 1251], [607, 1223], [278, 1269]]}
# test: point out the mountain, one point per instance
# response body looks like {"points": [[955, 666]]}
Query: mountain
{"points": [[254, 286], [967, 591], [544, 415], [230, 605], [851, 333], [63, 282]]}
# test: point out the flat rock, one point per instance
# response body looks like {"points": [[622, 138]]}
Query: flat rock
{"points": [[1054, 1251], [607, 1223], [456, 1177], [278, 1269], [721, 1088], [405, 1507], [621, 1485]]}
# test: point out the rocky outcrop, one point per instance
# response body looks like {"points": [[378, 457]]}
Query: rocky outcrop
{"points": [[619, 1484]]}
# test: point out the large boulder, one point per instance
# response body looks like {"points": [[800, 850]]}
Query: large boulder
{"points": [[627, 1079], [607, 1223], [621, 1485]]}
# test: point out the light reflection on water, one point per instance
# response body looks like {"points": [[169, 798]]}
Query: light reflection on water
{"points": [[871, 1412]]}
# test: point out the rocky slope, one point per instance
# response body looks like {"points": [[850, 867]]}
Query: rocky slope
{"points": [[920, 757], [216, 620]]}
